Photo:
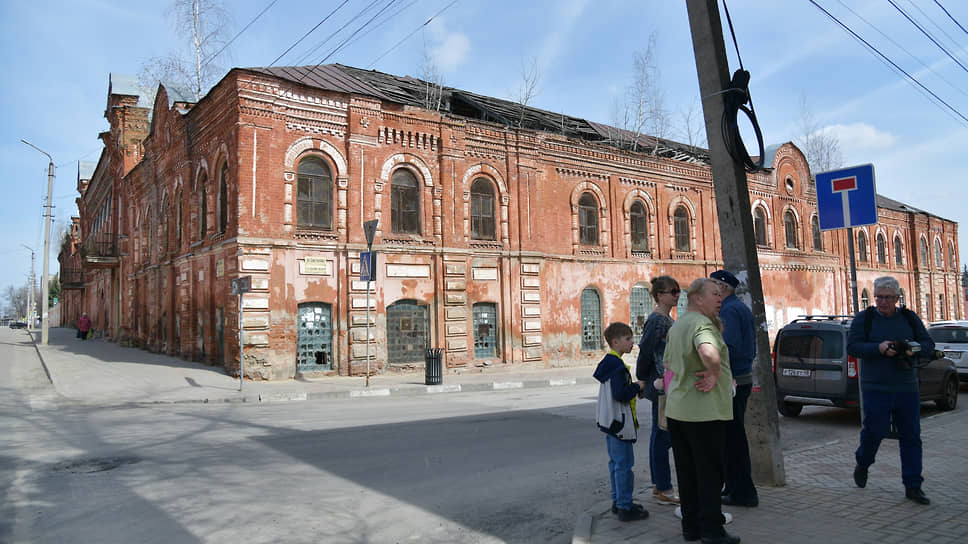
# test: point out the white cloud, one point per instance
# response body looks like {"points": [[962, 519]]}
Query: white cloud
{"points": [[861, 138], [449, 49]]}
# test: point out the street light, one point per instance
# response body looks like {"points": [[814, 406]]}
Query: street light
{"points": [[44, 288]]}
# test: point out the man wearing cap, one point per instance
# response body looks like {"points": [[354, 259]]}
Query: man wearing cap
{"points": [[739, 333]]}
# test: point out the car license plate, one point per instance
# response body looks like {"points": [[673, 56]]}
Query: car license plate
{"points": [[798, 372]]}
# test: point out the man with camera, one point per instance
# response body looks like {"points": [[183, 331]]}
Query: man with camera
{"points": [[890, 340]]}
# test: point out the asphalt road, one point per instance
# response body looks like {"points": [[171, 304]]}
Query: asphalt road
{"points": [[503, 466]]}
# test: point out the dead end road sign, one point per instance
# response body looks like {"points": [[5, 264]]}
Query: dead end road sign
{"points": [[847, 197]]}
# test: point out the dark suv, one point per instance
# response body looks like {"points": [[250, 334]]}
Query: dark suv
{"points": [[811, 366]]}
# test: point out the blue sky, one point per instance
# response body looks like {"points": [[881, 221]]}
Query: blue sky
{"points": [[59, 54]]}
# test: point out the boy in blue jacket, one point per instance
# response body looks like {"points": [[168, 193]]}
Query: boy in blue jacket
{"points": [[616, 418]]}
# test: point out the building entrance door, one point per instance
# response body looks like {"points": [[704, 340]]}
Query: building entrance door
{"points": [[314, 340]]}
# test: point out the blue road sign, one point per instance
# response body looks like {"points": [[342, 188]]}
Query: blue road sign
{"points": [[368, 266], [846, 197]]}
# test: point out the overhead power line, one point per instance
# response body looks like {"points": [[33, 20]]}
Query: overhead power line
{"points": [[304, 36], [311, 52], [929, 36], [892, 63], [407, 37], [348, 38], [224, 47], [955, 21]]}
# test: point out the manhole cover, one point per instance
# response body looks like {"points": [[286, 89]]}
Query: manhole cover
{"points": [[85, 466]]}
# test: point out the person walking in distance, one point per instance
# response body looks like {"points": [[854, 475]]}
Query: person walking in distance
{"points": [[739, 333], [699, 408], [83, 326], [616, 418], [882, 335], [649, 369]]}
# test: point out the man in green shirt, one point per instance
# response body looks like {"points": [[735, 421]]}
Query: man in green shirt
{"points": [[699, 407]]}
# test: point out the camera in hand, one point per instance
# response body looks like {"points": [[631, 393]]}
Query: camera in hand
{"points": [[901, 347]]}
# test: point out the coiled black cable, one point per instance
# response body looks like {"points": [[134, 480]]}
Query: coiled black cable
{"points": [[736, 97]]}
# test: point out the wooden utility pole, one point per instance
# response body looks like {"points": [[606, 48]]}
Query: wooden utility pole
{"points": [[736, 234]]}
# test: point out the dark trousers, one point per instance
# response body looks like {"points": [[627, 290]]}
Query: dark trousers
{"points": [[739, 477], [906, 409], [698, 449]]}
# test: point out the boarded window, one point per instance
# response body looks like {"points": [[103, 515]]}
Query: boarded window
{"points": [[315, 194], [639, 227], [482, 210], [588, 219], [591, 320], [404, 203]]}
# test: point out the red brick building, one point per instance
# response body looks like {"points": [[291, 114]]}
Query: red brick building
{"points": [[507, 235]]}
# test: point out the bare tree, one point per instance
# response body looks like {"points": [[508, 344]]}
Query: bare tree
{"points": [[17, 299], [819, 144], [433, 81], [203, 23], [528, 86], [692, 127], [643, 111]]}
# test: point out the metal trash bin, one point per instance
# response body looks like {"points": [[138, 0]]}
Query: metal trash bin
{"points": [[433, 367]]}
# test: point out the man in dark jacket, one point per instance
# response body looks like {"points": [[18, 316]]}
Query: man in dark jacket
{"points": [[889, 383]]}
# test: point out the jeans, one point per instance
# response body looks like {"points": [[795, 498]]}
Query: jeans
{"points": [[739, 477], [620, 461], [659, 445], [906, 409], [698, 451]]}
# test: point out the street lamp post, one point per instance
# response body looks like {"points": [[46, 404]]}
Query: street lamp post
{"points": [[44, 325]]}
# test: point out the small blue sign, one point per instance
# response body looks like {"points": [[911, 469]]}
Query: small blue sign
{"points": [[846, 197], [368, 266]]}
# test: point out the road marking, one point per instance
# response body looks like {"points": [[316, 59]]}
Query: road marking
{"points": [[508, 385]]}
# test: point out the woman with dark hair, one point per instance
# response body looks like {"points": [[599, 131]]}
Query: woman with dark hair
{"points": [[649, 368]]}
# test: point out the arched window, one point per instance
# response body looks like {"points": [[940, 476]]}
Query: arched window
{"points": [[881, 249], [952, 262], [404, 202], [865, 298], [898, 252], [790, 227], [314, 182], [680, 220], [815, 228], [482, 210], [861, 246], [924, 255], [639, 226], [591, 320], [179, 219], [223, 198], [202, 206], [759, 226], [938, 255], [588, 220]]}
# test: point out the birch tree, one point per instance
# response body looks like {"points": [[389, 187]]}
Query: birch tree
{"points": [[819, 145]]}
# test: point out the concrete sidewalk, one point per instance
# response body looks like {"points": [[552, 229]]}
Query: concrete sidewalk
{"points": [[820, 503], [99, 372]]}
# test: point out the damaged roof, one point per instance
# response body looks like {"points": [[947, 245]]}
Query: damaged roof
{"points": [[411, 91]]}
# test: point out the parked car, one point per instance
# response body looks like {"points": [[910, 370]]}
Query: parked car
{"points": [[811, 366], [951, 337], [18, 325]]}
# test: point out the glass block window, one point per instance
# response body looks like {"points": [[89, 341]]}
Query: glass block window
{"points": [[314, 337], [588, 220], [640, 306], [485, 330], [407, 332], [314, 185], [591, 320], [639, 227]]}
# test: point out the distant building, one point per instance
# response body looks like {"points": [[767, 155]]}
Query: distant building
{"points": [[507, 234]]}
